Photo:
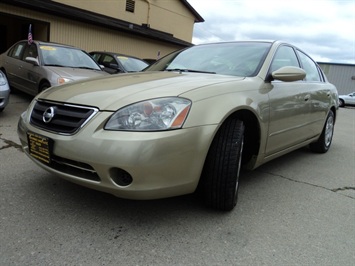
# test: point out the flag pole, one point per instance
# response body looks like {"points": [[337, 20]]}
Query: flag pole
{"points": [[29, 36]]}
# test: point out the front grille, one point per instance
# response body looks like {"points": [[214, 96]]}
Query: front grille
{"points": [[75, 168], [67, 119]]}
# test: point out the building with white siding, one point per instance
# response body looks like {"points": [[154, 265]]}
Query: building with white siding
{"points": [[341, 75]]}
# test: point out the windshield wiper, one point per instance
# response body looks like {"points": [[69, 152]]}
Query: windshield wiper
{"points": [[83, 67], [189, 70], [54, 65]]}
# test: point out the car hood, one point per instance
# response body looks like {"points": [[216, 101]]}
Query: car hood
{"points": [[115, 91], [76, 73]]}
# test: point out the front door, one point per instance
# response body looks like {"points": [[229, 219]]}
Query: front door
{"points": [[290, 107]]}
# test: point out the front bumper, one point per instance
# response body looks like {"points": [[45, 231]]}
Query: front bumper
{"points": [[160, 164]]}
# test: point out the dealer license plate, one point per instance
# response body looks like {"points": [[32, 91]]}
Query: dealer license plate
{"points": [[39, 147]]}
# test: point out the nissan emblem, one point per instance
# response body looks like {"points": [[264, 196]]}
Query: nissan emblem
{"points": [[48, 114]]}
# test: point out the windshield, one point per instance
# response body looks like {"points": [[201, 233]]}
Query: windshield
{"points": [[237, 59], [66, 57], [131, 64]]}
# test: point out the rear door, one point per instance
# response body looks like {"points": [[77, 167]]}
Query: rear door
{"points": [[13, 63], [29, 73], [319, 93]]}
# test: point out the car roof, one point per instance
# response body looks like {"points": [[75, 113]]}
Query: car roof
{"points": [[115, 54], [52, 44]]}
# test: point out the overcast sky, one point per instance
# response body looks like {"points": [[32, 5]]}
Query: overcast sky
{"points": [[325, 29]]}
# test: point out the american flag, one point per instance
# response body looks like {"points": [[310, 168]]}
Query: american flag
{"points": [[29, 37]]}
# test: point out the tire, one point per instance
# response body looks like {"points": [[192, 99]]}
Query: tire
{"points": [[325, 140], [220, 176], [341, 103]]}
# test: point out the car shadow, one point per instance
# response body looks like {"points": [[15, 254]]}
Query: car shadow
{"points": [[52, 191], [21, 94], [69, 197]]}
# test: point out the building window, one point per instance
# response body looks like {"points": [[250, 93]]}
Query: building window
{"points": [[130, 5]]}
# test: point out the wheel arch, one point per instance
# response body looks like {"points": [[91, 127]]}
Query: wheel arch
{"points": [[212, 186], [334, 110], [252, 134], [41, 83]]}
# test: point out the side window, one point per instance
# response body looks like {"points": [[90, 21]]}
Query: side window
{"points": [[107, 60], [284, 56], [310, 67], [30, 51], [96, 57], [16, 52]]}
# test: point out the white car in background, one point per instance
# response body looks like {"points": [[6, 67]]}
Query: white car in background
{"points": [[347, 99]]}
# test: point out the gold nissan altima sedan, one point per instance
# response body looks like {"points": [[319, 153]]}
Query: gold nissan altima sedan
{"points": [[189, 122]]}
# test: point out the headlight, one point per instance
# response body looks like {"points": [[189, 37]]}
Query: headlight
{"points": [[151, 115], [2, 79], [62, 80]]}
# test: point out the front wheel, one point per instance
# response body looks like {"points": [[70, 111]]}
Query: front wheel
{"points": [[220, 177], [323, 143], [341, 103]]}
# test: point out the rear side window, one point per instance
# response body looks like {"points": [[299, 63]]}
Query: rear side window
{"points": [[17, 51], [96, 57], [108, 59], [310, 67]]}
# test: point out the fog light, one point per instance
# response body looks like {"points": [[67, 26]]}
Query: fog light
{"points": [[120, 177]]}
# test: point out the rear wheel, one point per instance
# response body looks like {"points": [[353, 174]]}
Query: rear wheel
{"points": [[220, 177], [325, 140], [341, 103]]}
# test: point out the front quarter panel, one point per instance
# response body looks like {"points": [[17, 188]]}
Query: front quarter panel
{"points": [[213, 104]]}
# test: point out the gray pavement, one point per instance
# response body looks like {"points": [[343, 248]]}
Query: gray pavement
{"points": [[296, 210]]}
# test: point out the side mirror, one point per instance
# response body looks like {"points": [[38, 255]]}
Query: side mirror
{"points": [[32, 61], [289, 73], [116, 67]]}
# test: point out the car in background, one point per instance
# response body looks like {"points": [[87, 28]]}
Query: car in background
{"points": [[34, 67], [118, 63], [149, 61], [348, 99], [187, 123], [4, 91]]}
